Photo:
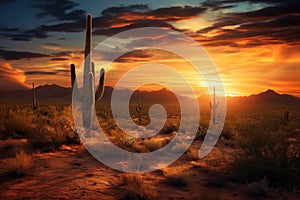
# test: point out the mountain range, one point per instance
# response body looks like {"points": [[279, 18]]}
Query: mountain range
{"points": [[55, 94]]}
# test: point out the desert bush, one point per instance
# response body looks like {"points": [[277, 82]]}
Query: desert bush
{"points": [[266, 154], [169, 127], [17, 166], [152, 144], [17, 123], [174, 176], [193, 153], [138, 188], [201, 132], [53, 127], [47, 128], [257, 188]]}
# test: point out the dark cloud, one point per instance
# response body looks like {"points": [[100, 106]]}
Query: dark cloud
{"points": [[6, 1], [57, 56], [42, 31], [112, 20], [134, 56], [118, 19], [114, 11], [273, 24], [69, 19], [18, 55], [59, 10], [40, 73], [215, 5], [59, 59], [66, 53]]}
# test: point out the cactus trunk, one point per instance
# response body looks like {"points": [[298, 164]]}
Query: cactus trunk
{"points": [[214, 107], [139, 108], [87, 95], [34, 99]]}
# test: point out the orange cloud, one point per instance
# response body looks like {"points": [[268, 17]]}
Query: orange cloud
{"points": [[11, 78]]}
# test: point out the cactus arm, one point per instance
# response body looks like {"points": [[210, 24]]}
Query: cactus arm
{"points": [[93, 71], [73, 75], [91, 90], [93, 68], [74, 83], [100, 88]]}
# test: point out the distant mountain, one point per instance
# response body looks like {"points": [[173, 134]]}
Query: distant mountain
{"points": [[163, 96], [47, 94], [267, 97], [55, 94]]}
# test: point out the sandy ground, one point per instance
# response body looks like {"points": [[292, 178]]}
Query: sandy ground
{"points": [[75, 174]]}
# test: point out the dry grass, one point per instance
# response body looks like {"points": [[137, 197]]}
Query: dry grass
{"points": [[138, 188], [193, 153], [47, 128], [267, 154], [17, 166], [175, 176], [153, 144]]}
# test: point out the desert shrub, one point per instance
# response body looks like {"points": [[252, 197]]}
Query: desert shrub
{"points": [[174, 176], [17, 123], [257, 188], [53, 127], [193, 153], [46, 128], [201, 132], [122, 139], [138, 188], [17, 166], [266, 154], [169, 127], [152, 144]]}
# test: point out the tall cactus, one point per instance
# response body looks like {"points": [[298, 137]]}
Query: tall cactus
{"points": [[214, 107], [286, 114], [139, 108], [34, 99], [88, 95]]}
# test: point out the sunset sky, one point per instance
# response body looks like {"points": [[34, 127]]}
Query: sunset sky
{"points": [[254, 43]]}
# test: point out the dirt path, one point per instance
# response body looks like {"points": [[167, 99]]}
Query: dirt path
{"points": [[76, 174]]}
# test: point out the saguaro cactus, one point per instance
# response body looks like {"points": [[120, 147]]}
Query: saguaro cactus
{"points": [[34, 99], [286, 114], [139, 108], [214, 107], [88, 95]]}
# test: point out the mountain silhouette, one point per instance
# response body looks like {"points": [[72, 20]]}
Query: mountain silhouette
{"points": [[267, 97], [55, 94]]}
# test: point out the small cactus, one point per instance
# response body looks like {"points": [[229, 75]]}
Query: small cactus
{"points": [[35, 103], [286, 114], [214, 107], [89, 95], [139, 108]]}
